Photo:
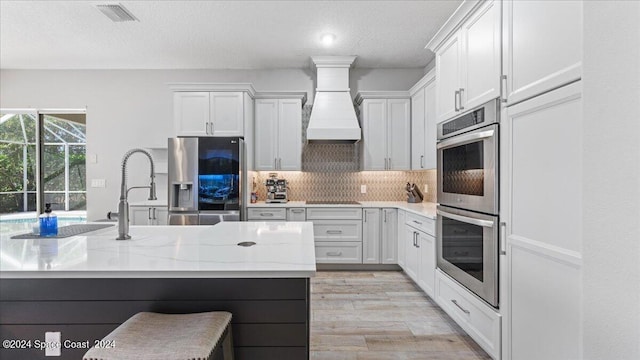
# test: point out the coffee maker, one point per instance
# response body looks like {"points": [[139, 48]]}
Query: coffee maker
{"points": [[276, 190]]}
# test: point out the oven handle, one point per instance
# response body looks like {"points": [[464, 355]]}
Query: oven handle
{"points": [[465, 138], [466, 219]]}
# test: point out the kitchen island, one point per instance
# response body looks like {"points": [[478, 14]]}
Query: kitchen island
{"points": [[85, 286]]}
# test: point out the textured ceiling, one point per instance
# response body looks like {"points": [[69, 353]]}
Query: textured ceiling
{"points": [[217, 34]]}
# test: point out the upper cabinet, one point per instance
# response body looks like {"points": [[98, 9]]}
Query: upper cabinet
{"points": [[386, 125], [213, 109], [209, 113], [468, 62], [542, 46], [278, 133], [423, 123]]}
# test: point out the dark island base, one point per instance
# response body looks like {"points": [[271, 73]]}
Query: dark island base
{"points": [[270, 316]]}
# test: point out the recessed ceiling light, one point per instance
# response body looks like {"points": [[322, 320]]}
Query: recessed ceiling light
{"points": [[116, 12], [328, 39]]}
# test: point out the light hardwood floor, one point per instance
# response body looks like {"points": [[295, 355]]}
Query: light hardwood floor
{"points": [[381, 315]]}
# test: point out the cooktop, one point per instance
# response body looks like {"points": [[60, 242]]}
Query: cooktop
{"points": [[331, 202]]}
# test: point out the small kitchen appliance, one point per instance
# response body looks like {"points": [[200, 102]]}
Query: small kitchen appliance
{"points": [[276, 190]]}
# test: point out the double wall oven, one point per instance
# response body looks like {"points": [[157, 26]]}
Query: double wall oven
{"points": [[467, 225]]}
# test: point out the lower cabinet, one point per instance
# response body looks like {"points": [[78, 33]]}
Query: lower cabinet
{"points": [[474, 316], [148, 215], [371, 236], [389, 241], [419, 251], [337, 234], [266, 214], [427, 263], [296, 214], [400, 229]]}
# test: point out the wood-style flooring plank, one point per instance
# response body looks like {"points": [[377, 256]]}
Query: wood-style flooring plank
{"points": [[381, 315]]}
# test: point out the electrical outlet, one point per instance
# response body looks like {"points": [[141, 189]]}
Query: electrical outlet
{"points": [[426, 188], [363, 189], [92, 158], [98, 183]]}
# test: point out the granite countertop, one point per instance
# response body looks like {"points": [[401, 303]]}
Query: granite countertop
{"points": [[282, 250], [426, 209]]}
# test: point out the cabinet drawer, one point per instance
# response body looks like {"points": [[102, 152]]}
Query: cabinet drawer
{"points": [[320, 213], [478, 319], [422, 223], [266, 214], [338, 252], [296, 214], [337, 230]]}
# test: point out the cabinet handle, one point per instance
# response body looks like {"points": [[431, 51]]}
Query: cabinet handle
{"points": [[503, 238], [385, 164], [275, 163], [461, 91], [149, 213], [334, 253], [385, 215], [297, 211], [418, 240], [503, 88], [334, 232], [211, 125], [421, 161], [417, 222], [455, 100], [460, 307], [279, 163], [390, 165], [154, 214], [414, 239], [266, 214], [365, 216]]}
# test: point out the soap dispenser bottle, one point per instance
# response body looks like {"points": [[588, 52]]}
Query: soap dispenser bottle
{"points": [[48, 222]]}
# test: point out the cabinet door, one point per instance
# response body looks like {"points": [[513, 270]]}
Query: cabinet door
{"points": [[266, 134], [290, 135], [191, 113], [411, 253], [398, 134], [542, 46], [418, 130], [371, 236], [389, 236], [140, 215], [227, 114], [401, 237], [430, 127], [374, 128], [447, 78], [480, 56], [427, 263], [160, 215], [543, 234]]}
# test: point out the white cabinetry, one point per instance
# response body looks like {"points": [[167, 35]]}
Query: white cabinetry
{"points": [[337, 234], [401, 237], [209, 113], [543, 234], [477, 318], [542, 46], [296, 214], [389, 246], [266, 214], [278, 134], [380, 236], [385, 121], [468, 62], [423, 123], [371, 236], [148, 215], [420, 251]]}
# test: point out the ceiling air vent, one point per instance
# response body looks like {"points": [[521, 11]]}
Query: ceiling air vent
{"points": [[116, 12]]}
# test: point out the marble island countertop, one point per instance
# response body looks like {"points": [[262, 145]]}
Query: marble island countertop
{"points": [[426, 209], [282, 250]]}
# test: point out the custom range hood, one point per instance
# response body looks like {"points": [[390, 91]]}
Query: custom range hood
{"points": [[333, 118]]}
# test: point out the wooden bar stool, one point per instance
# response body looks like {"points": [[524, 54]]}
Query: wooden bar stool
{"points": [[153, 336]]}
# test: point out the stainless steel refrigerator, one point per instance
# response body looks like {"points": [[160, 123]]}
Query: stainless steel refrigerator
{"points": [[206, 177]]}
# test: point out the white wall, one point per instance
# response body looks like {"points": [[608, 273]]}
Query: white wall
{"points": [[133, 108], [611, 180]]}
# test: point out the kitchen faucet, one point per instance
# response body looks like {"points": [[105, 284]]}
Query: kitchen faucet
{"points": [[123, 205]]}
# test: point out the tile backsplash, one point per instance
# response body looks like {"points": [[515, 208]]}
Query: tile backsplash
{"points": [[345, 186], [330, 172]]}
